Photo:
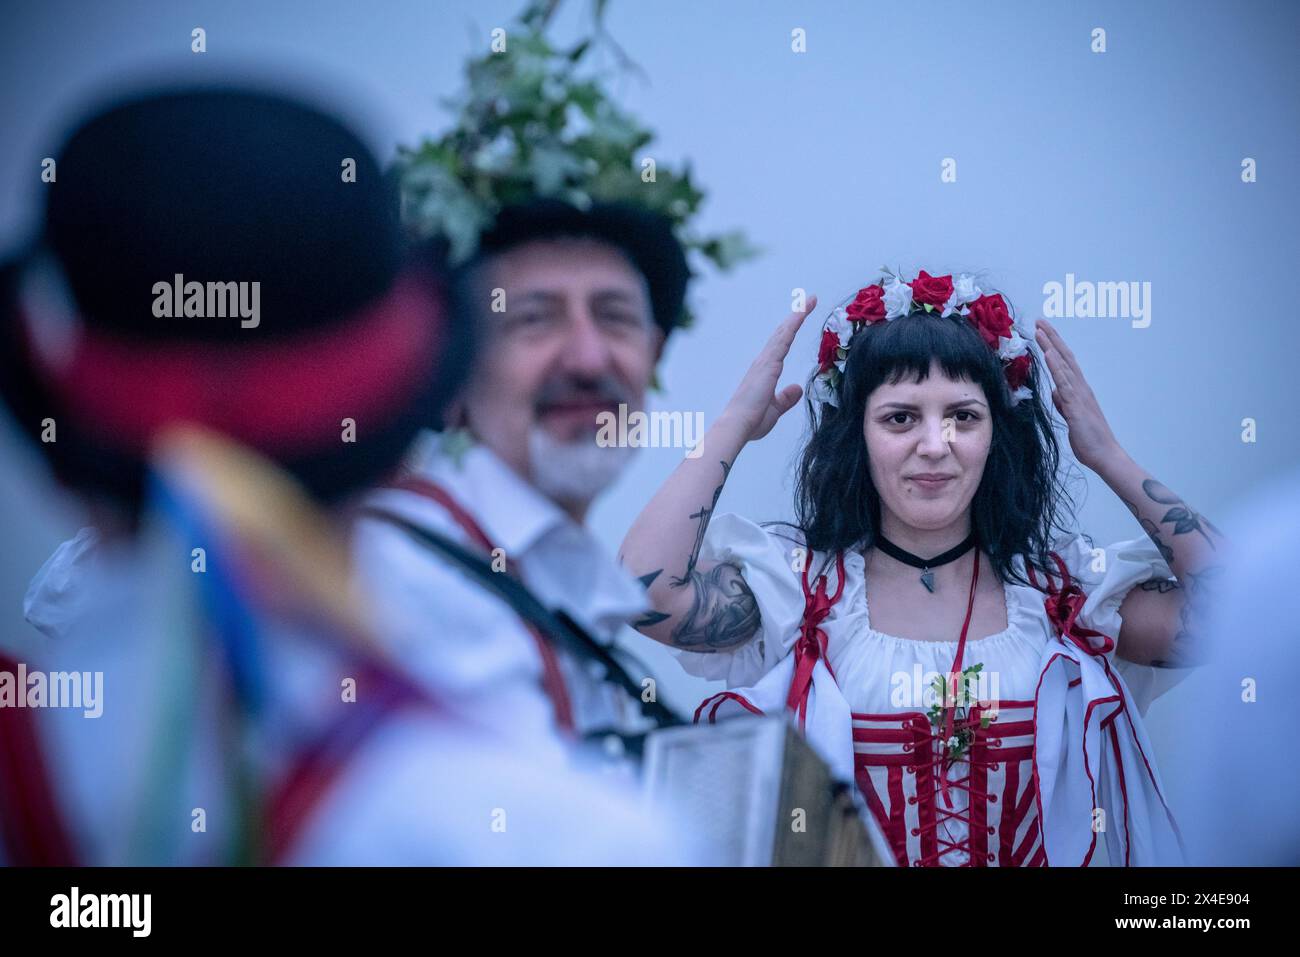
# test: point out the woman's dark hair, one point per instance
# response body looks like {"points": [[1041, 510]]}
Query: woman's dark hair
{"points": [[1020, 500]]}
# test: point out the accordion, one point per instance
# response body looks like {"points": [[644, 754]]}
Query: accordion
{"points": [[757, 794]]}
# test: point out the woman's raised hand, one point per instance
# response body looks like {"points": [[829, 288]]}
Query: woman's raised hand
{"points": [[1091, 439], [756, 404]]}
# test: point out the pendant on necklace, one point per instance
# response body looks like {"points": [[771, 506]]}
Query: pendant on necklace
{"points": [[927, 579]]}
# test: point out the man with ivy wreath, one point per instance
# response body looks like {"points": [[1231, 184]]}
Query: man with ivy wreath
{"points": [[570, 248]]}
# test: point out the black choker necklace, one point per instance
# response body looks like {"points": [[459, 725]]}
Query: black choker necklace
{"points": [[926, 565]]}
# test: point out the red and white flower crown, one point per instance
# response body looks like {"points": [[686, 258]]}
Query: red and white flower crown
{"points": [[891, 298]]}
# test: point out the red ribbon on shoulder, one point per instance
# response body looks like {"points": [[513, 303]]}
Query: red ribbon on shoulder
{"points": [[1064, 606], [811, 646]]}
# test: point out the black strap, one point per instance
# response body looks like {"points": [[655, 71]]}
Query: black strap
{"points": [[907, 558], [556, 626]]}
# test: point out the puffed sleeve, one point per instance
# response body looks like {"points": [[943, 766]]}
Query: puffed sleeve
{"points": [[767, 558], [1107, 575]]}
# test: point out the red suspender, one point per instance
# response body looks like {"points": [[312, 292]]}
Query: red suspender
{"points": [[290, 805], [552, 678], [30, 825]]}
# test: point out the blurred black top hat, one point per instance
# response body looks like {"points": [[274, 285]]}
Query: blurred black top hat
{"points": [[168, 206]]}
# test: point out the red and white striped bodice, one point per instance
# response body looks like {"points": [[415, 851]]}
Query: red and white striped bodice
{"points": [[989, 816]]}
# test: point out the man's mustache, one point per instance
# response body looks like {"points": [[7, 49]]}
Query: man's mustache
{"points": [[567, 391]]}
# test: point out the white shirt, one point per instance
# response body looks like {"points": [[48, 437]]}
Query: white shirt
{"points": [[427, 788], [463, 641], [128, 782]]}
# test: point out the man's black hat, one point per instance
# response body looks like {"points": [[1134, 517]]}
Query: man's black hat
{"points": [[644, 236], [227, 185]]}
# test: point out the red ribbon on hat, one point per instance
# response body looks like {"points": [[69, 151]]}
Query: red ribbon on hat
{"points": [[288, 394]]}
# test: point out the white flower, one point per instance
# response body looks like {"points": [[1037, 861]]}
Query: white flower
{"points": [[1012, 348], [898, 299], [823, 392], [964, 290], [1020, 394], [840, 324]]}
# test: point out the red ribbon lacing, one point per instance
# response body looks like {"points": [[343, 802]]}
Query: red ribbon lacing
{"points": [[811, 646], [937, 745]]}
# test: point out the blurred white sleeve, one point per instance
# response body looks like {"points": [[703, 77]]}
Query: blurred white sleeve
{"points": [[1243, 808], [56, 597]]}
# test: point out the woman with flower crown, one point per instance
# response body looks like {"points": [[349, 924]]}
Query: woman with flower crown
{"points": [[978, 670]]}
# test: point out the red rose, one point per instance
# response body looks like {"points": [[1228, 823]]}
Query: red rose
{"points": [[1017, 371], [931, 290], [869, 306], [989, 315], [826, 354]]}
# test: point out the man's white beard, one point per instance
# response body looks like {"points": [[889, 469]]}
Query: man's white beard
{"points": [[574, 472]]}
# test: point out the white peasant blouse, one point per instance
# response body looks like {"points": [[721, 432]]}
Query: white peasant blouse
{"points": [[864, 659]]}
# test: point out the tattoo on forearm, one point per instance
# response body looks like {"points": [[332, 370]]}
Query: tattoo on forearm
{"points": [[1190, 646], [651, 617], [723, 613], [1180, 513], [1153, 532], [702, 517]]}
